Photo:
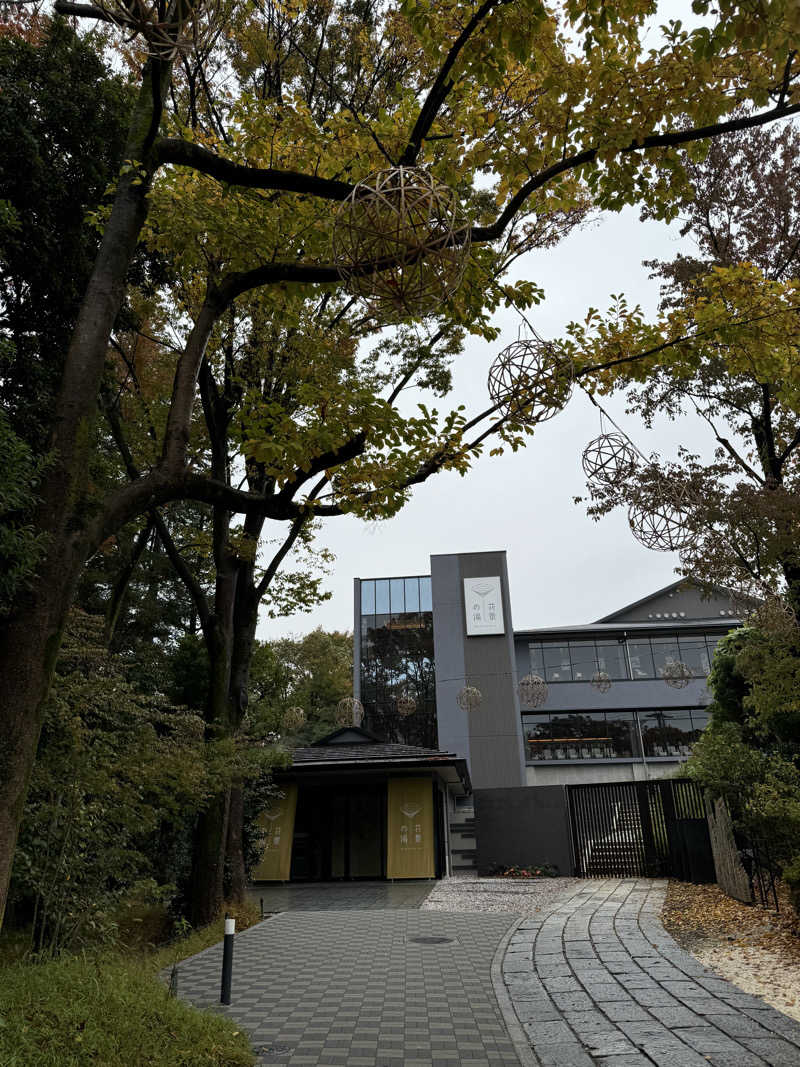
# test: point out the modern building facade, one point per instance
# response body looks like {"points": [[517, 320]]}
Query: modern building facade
{"points": [[430, 636], [392, 798]]}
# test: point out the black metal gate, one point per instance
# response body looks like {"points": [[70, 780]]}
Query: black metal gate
{"points": [[641, 829]]}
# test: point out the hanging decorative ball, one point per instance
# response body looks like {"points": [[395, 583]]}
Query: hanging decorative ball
{"points": [[401, 241], [774, 615], [469, 698], [165, 37], [406, 705], [532, 691], [676, 674], [293, 719], [609, 459], [601, 682], [660, 519], [349, 712], [530, 381]]}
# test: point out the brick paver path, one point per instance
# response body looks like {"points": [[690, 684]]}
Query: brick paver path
{"points": [[598, 981], [339, 896], [352, 988]]}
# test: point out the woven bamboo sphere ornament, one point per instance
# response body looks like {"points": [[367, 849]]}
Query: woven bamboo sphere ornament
{"points": [[532, 691], [349, 712], [530, 381], [609, 459], [293, 719], [661, 521], [601, 682], [774, 615], [469, 698], [165, 37], [401, 241], [406, 705], [676, 674]]}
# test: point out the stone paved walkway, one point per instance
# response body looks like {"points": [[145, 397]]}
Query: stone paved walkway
{"points": [[341, 896], [598, 981], [354, 988]]}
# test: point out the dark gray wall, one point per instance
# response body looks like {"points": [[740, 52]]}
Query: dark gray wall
{"points": [[490, 737], [523, 826], [685, 602]]}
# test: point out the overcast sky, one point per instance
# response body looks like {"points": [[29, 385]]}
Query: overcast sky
{"points": [[563, 568]]}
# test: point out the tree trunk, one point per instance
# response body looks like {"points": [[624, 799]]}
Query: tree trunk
{"points": [[235, 850], [208, 862], [30, 638]]}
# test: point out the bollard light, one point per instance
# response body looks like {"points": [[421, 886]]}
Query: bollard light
{"points": [[227, 960]]}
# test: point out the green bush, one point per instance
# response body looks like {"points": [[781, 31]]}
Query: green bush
{"points": [[115, 767], [113, 1011]]}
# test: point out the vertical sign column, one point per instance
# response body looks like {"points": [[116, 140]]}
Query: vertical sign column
{"points": [[278, 824], [410, 828]]}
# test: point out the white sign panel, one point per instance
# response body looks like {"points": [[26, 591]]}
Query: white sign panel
{"points": [[483, 606]]}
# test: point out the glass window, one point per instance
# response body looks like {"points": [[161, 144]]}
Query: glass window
{"points": [[584, 660], [711, 644], [412, 594], [382, 596], [567, 734], [694, 654], [537, 659], [397, 586], [641, 658], [699, 722], [368, 597], [538, 736], [665, 650], [557, 663], [611, 659], [623, 734], [425, 598], [667, 733]]}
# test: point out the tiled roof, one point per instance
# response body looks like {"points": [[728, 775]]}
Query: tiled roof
{"points": [[368, 753]]}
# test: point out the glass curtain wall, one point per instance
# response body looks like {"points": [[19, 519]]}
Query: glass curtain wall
{"points": [[638, 657], [668, 733], [397, 659]]}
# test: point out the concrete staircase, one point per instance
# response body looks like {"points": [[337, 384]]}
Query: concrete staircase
{"points": [[462, 840]]}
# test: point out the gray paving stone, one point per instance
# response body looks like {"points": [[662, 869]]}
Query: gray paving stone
{"points": [[641, 999], [773, 1050], [566, 1055], [346, 987], [634, 1060]]}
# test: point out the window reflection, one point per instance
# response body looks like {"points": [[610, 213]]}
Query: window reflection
{"points": [[368, 597], [694, 653], [557, 664], [667, 734], [397, 659], [577, 661], [412, 594], [665, 652], [641, 658], [382, 596], [584, 660], [611, 659], [425, 598]]}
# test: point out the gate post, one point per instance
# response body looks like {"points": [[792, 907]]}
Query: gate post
{"points": [[651, 864]]}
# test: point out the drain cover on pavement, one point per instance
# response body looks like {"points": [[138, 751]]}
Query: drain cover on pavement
{"points": [[433, 940], [275, 1052]]}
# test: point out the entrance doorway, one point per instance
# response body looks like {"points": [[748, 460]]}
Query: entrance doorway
{"points": [[339, 833]]}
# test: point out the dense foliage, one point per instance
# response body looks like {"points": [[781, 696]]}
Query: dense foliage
{"points": [[750, 752], [119, 777]]}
